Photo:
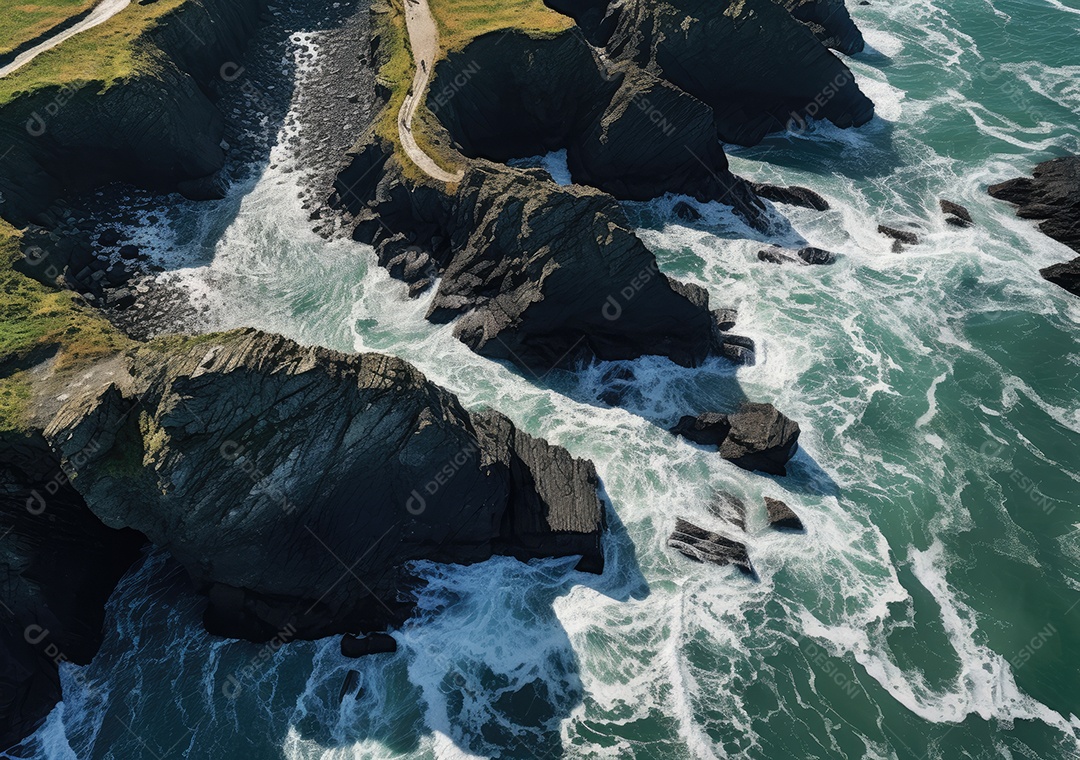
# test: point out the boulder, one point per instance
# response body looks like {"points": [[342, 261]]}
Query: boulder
{"points": [[756, 437], [792, 195], [781, 516], [900, 236], [761, 438], [955, 214], [705, 546], [816, 256]]}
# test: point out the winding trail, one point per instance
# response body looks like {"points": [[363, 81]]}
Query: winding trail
{"points": [[102, 13], [424, 40]]}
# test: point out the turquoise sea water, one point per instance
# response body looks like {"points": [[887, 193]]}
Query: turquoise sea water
{"points": [[932, 609]]}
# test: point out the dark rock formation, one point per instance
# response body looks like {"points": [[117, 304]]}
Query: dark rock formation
{"points": [[293, 483], [781, 516], [761, 438], [793, 195], [705, 546], [537, 274], [686, 212], [1066, 275], [373, 643], [816, 256], [750, 60], [807, 255], [955, 214], [159, 130], [900, 236], [1052, 195], [756, 437], [625, 131], [708, 429], [58, 565]]}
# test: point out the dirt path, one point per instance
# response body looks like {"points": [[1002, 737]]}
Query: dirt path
{"points": [[102, 13], [424, 39]]}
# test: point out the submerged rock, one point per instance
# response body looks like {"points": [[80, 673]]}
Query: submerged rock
{"points": [[350, 686], [781, 516], [756, 437], [900, 236], [705, 546], [808, 255], [729, 507]]}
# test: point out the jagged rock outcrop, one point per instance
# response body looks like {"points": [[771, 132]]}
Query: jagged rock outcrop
{"points": [[756, 437], [808, 255], [955, 214], [625, 131], [1052, 194], [705, 546], [58, 565], [535, 273], [781, 516], [752, 61], [158, 130], [293, 483]]}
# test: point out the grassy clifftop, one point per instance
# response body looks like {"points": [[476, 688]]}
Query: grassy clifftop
{"points": [[107, 53], [21, 23], [459, 23], [462, 21], [37, 322]]}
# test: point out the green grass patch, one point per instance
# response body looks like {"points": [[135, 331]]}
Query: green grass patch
{"points": [[108, 53], [37, 322], [23, 22], [462, 21]]}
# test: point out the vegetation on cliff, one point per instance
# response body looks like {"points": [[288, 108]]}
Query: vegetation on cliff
{"points": [[105, 54], [38, 323]]}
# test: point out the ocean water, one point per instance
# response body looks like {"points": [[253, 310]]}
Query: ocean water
{"points": [[931, 610]]}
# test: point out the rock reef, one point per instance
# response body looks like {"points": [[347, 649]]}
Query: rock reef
{"points": [[1052, 195]]}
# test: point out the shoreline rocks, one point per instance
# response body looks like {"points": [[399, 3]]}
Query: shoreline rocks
{"points": [[781, 516], [1052, 195], [705, 546], [756, 437]]}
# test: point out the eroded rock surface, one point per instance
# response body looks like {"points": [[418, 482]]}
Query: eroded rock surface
{"points": [[293, 483]]}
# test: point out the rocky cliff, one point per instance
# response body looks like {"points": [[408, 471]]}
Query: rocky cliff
{"points": [[756, 63], [58, 565], [294, 483]]}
